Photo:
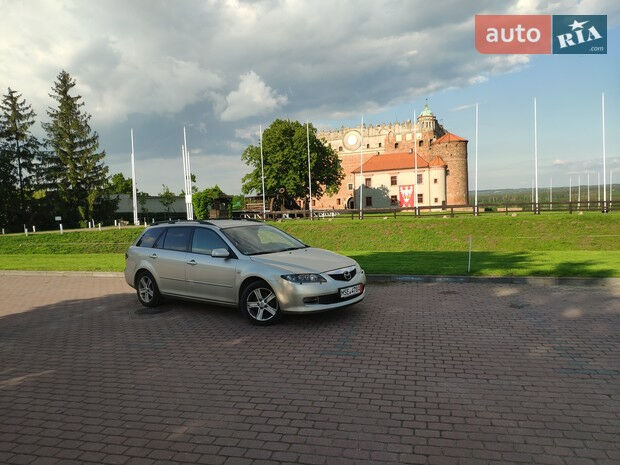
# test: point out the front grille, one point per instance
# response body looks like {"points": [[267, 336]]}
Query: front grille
{"points": [[340, 276]]}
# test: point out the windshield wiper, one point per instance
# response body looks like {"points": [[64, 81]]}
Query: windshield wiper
{"points": [[278, 251]]}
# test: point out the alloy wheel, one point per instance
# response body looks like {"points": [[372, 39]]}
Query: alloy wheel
{"points": [[262, 304], [146, 289]]}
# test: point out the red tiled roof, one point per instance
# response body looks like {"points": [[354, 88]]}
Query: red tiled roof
{"points": [[437, 161], [391, 161], [449, 137]]}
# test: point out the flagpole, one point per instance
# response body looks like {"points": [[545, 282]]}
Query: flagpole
{"points": [[610, 188], [134, 189], [536, 154], [262, 168], [309, 173], [551, 194], [188, 192], [588, 176], [578, 191], [415, 166], [598, 188], [570, 189], [185, 180], [604, 167], [361, 168], [476, 172]]}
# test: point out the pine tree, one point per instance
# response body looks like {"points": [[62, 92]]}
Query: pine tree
{"points": [[73, 166], [18, 151]]}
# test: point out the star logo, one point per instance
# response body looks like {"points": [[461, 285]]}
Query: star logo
{"points": [[577, 25]]}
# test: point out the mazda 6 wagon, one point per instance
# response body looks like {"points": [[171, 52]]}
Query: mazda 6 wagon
{"points": [[250, 265]]}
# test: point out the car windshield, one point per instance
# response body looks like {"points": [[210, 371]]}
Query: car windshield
{"points": [[261, 239]]}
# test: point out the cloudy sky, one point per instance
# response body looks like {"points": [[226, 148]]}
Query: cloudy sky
{"points": [[221, 68]]}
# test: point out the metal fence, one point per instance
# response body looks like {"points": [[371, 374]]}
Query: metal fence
{"points": [[446, 210]]}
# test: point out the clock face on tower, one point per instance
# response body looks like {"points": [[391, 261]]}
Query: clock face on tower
{"points": [[352, 140]]}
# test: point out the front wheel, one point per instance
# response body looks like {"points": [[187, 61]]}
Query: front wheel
{"points": [[147, 290], [260, 304]]}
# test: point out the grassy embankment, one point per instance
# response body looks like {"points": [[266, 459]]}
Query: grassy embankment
{"points": [[525, 245]]}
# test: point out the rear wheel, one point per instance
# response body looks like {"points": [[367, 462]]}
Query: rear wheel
{"points": [[147, 290], [260, 304]]}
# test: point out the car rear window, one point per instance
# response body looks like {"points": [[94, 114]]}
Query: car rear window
{"points": [[149, 237], [177, 239]]}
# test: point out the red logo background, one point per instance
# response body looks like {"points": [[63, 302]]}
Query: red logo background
{"points": [[507, 22]]}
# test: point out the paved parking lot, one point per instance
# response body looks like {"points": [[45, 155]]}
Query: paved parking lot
{"points": [[418, 373]]}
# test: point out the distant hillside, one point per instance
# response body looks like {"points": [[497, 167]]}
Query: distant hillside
{"points": [[524, 195]]}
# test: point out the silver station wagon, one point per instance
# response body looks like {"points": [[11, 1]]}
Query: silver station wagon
{"points": [[247, 264]]}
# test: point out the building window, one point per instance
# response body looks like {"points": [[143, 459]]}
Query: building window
{"points": [[350, 186], [393, 200], [420, 198], [313, 203], [367, 182], [369, 201], [367, 146], [435, 181], [393, 181], [420, 180], [338, 201], [436, 200], [420, 143], [396, 145], [379, 144], [340, 148]]}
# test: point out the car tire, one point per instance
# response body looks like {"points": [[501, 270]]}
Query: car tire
{"points": [[147, 290], [259, 304]]}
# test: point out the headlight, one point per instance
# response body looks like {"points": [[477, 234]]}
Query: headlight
{"points": [[304, 278]]}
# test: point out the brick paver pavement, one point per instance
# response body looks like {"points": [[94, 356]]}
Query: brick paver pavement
{"points": [[418, 373]]}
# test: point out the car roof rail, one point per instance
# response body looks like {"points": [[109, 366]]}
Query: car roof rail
{"points": [[247, 219]]}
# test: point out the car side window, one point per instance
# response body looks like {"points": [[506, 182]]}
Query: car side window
{"points": [[177, 239], [205, 240], [149, 237]]}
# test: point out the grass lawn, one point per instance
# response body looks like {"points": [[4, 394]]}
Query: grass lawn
{"points": [[552, 244], [62, 262]]}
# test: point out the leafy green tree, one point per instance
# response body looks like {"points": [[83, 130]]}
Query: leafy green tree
{"points": [[18, 151], [286, 162], [167, 197], [119, 184], [73, 166], [204, 200], [142, 197]]}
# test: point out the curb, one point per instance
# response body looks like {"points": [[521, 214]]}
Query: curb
{"points": [[532, 280], [386, 278]]}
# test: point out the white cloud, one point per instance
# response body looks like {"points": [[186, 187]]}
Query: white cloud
{"points": [[253, 97], [157, 67]]}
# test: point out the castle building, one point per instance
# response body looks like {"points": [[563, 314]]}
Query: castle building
{"points": [[388, 166]]}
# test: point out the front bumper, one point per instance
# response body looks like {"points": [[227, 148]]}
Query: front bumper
{"points": [[293, 298]]}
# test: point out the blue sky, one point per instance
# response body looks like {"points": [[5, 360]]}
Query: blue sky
{"points": [[222, 67], [568, 92]]}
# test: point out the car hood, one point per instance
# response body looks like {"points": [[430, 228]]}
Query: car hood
{"points": [[308, 260]]}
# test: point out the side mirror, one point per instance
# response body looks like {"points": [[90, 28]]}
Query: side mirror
{"points": [[220, 253]]}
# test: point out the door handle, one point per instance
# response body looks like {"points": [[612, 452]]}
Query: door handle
{"points": [[153, 255], [192, 262]]}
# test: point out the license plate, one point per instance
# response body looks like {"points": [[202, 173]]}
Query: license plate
{"points": [[349, 291]]}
